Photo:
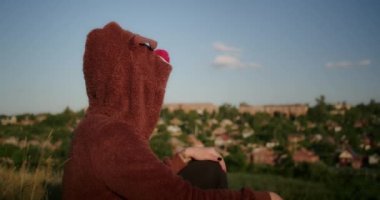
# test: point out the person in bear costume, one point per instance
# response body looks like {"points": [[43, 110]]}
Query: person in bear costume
{"points": [[110, 157]]}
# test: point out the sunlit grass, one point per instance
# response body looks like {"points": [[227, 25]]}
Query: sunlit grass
{"points": [[32, 183], [25, 184]]}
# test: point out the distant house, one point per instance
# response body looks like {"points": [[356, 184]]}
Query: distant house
{"points": [[26, 121], [360, 123], [310, 125], [287, 109], [304, 155], [212, 122], [272, 144], [329, 139], [345, 158], [187, 107], [366, 143], [174, 130], [11, 140], [226, 122], [176, 144], [41, 117], [194, 141], [176, 122], [247, 132], [333, 126], [219, 131], [9, 120], [294, 140], [222, 141], [263, 155], [357, 163], [340, 108], [316, 138], [349, 158], [373, 159], [161, 121]]}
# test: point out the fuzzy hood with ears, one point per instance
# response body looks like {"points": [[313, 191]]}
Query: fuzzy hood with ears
{"points": [[124, 78]]}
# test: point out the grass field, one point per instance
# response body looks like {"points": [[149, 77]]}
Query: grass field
{"points": [[288, 188], [294, 189], [44, 184]]}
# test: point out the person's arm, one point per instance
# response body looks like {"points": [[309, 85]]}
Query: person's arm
{"points": [[180, 160], [126, 165], [175, 163]]}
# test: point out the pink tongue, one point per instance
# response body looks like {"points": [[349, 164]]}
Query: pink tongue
{"points": [[163, 54]]}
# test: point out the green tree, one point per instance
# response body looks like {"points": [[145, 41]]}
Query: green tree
{"points": [[321, 111], [160, 145], [236, 160], [227, 111]]}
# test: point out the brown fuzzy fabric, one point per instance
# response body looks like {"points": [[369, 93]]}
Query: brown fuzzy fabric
{"points": [[110, 156]]}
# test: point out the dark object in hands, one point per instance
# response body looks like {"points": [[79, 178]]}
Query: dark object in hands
{"points": [[205, 174]]}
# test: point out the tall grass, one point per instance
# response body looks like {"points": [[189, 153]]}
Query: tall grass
{"points": [[30, 183], [24, 184]]}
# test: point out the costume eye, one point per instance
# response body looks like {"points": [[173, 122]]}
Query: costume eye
{"points": [[147, 45]]}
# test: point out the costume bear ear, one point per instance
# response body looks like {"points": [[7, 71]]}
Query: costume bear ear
{"points": [[112, 25], [138, 39]]}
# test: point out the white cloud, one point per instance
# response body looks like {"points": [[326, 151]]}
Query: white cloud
{"points": [[364, 62], [340, 64], [230, 58], [219, 46], [348, 64], [232, 62]]}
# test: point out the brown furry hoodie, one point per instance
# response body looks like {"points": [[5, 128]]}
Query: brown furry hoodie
{"points": [[110, 156]]}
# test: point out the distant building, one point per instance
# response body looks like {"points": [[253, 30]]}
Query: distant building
{"points": [[226, 122], [263, 155], [349, 158], [373, 159], [304, 155], [222, 141], [287, 109], [11, 140], [316, 138], [26, 121], [176, 144], [333, 126], [41, 117], [360, 123], [294, 140], [366, 143], [272, 144], [9, 121], [187, 107], [194, 141], [175, 121], [247, 132], [340, 108], [218, 131], [174, 130], [212, 122]]}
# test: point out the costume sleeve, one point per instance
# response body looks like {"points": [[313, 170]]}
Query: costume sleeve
{"points": [[127, 166], [175, 163]]}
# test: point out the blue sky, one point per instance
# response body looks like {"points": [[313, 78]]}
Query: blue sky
{"points": [[259, 52]]}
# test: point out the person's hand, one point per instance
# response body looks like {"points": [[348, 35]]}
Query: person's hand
{"points": [[274, 196], [203, 153]]}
